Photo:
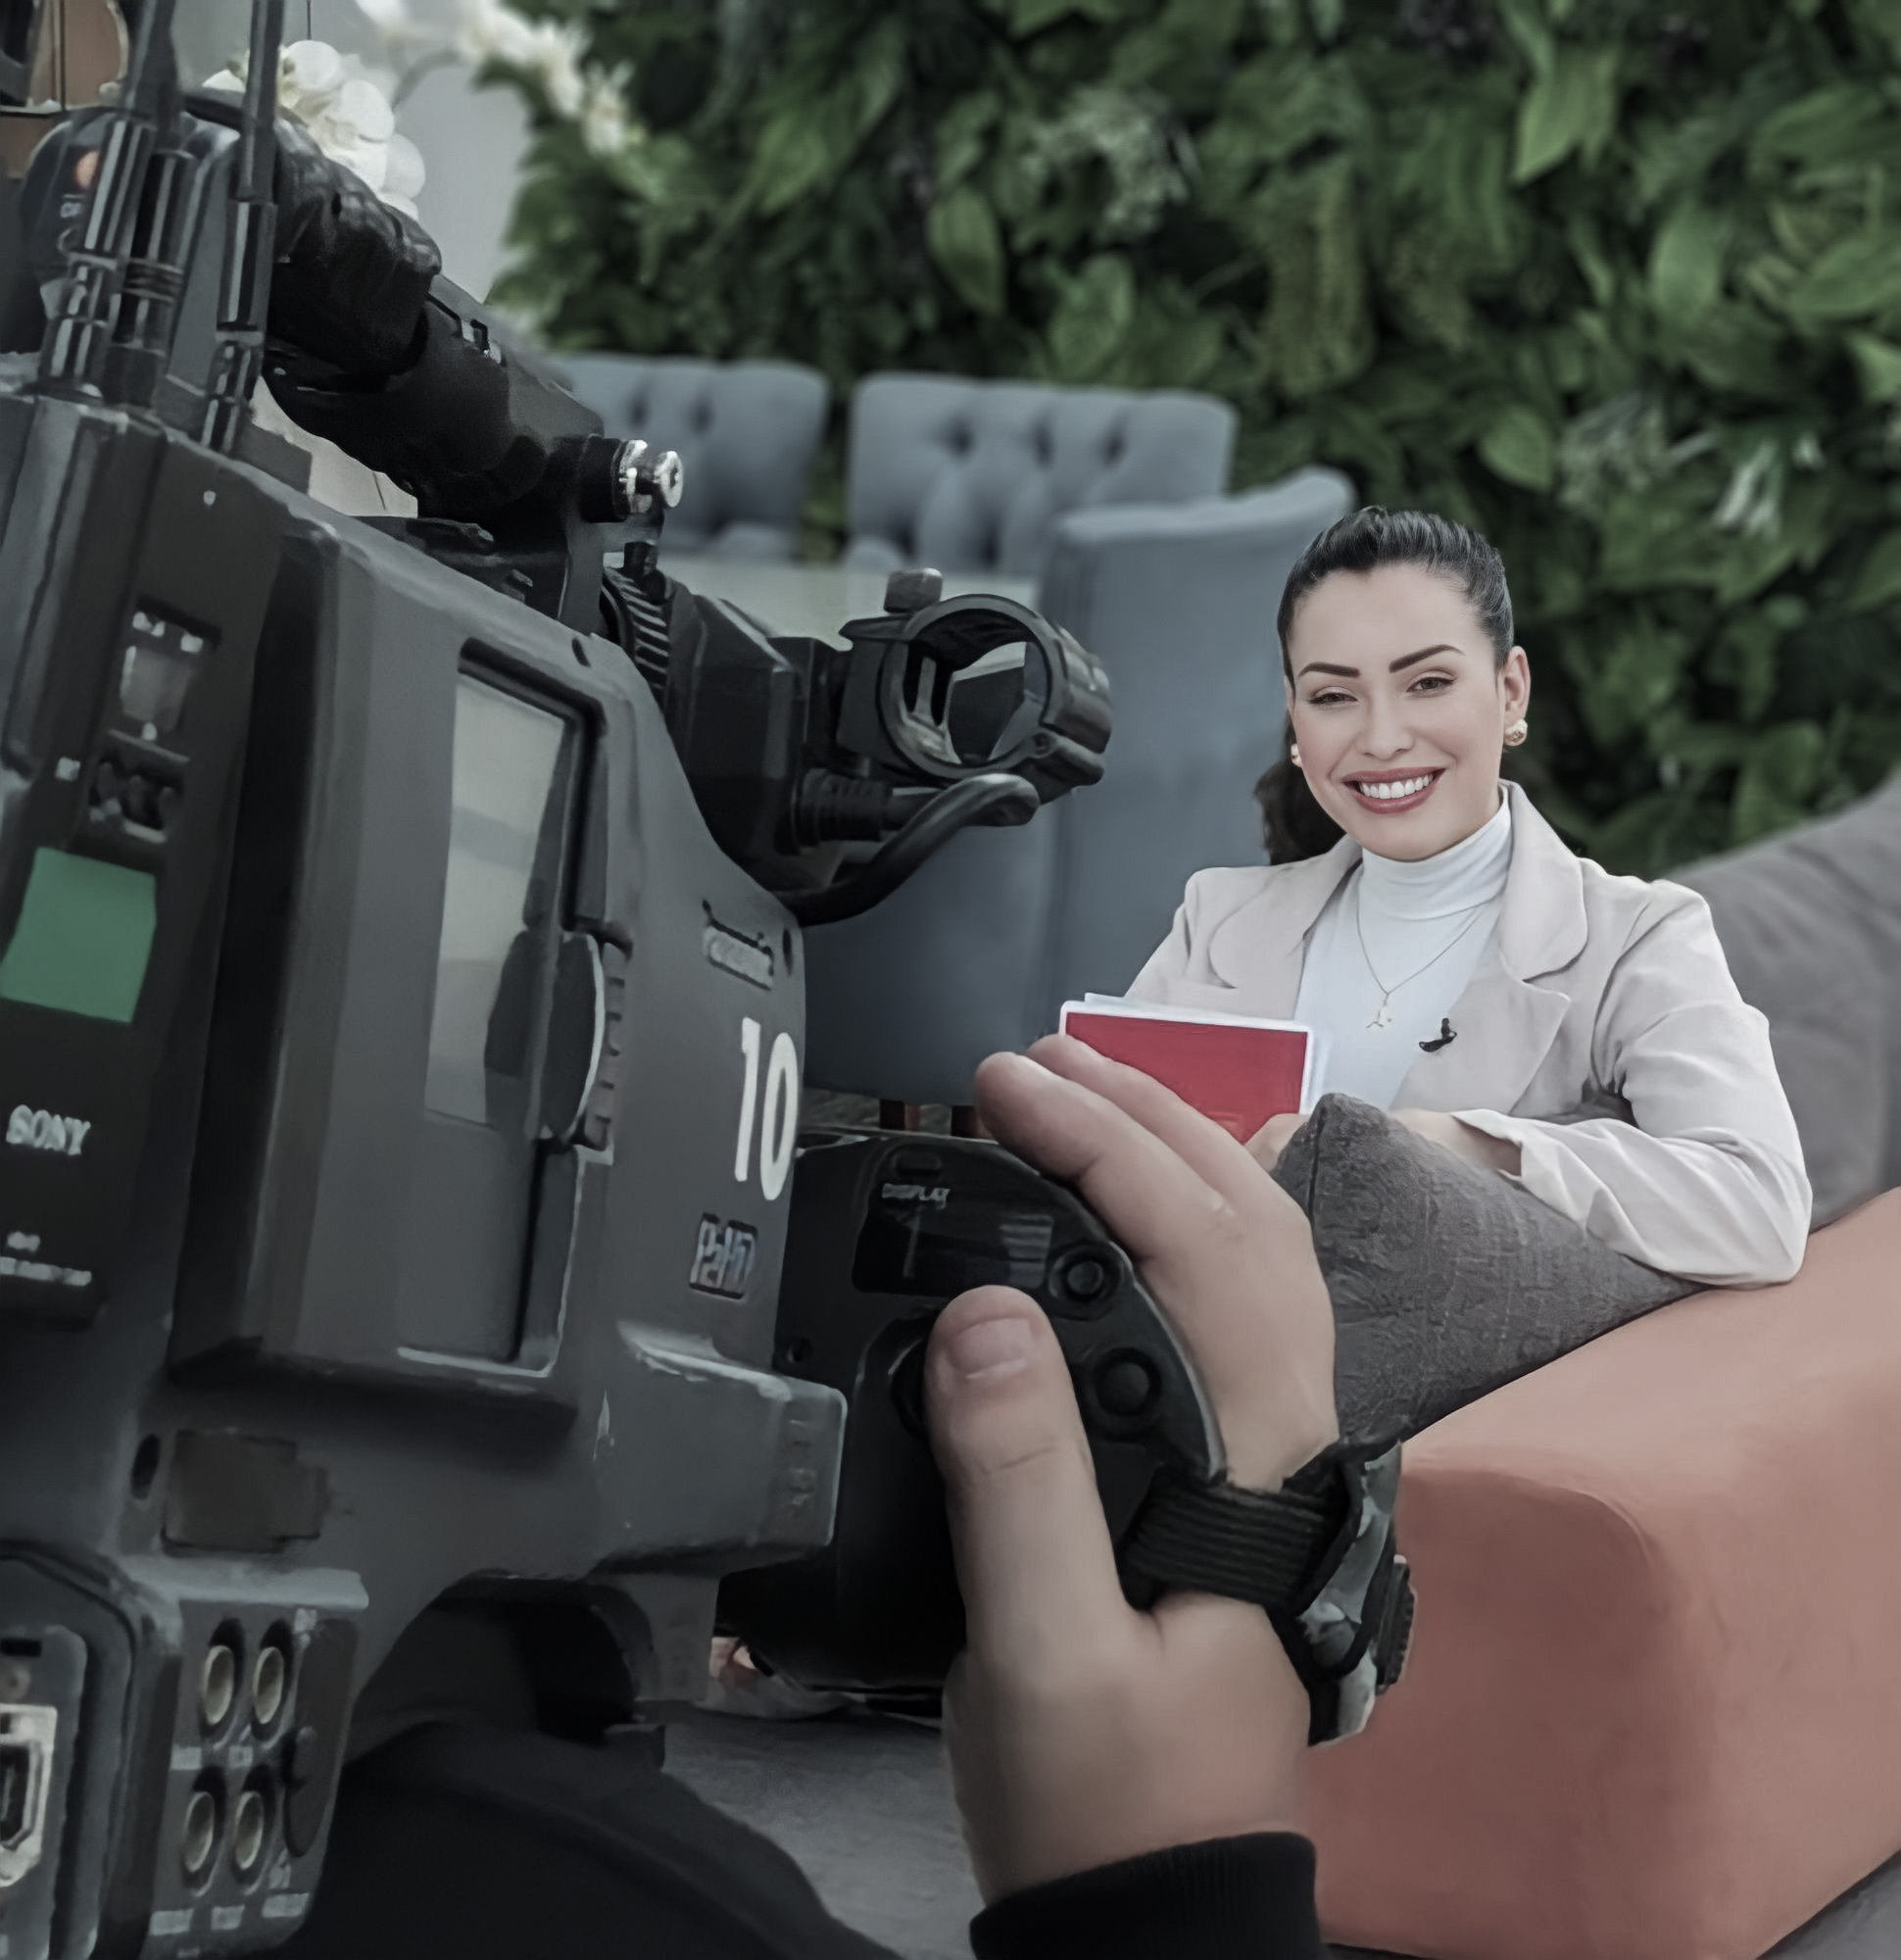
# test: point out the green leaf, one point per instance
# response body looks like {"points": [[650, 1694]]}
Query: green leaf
{"points": [[1570, 109], [1845, 121], [794, 155], [1329, 17], [1283, 103], [1633, 680], [1747, 657], [1879, 23], [1877, 362], [1735, 350], [1773, 784], [963, 139], [1587, 245], [1878, 582], [962, 235], [1319, 329], [1518, 446], [1031, 17], [1093, 319], [1628, 840], [1687, 265], [1651, 544], [1525, 21], [1853, 280], [877, 77]]}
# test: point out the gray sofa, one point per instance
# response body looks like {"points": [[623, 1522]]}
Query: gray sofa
{"points": [[1811, 923], [972, 476], [747, 431]]}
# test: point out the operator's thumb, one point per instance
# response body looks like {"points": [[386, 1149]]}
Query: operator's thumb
{"points": [[1034, 1557]]}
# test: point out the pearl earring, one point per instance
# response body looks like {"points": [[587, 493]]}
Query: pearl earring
{"points": [[1516, 734], [1294, 754]]}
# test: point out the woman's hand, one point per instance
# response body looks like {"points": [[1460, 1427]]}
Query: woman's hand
{"points": [[1273, 1137], [1080, 1732], [1474, 1146]]}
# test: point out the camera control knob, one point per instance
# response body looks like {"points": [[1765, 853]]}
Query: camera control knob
{"points": [[1083, 1284], [1126, 1388], [670, 476], [642, 475], [1085, 1278], [616, 480]]}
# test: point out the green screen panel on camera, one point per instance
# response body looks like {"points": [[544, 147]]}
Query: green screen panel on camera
{"points": [[83, 939]]}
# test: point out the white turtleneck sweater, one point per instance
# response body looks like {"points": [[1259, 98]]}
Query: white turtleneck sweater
{"points": [[1442, 910]]}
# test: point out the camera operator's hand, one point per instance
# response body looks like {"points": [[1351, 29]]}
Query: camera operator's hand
{"points": [[1082, 1733], [1270, 1140]]}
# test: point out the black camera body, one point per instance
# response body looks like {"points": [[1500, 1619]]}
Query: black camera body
{"points": [[403, 1197]]}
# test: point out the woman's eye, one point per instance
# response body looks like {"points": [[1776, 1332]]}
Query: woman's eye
{"points": [[1328, 698], [1432, 683]]}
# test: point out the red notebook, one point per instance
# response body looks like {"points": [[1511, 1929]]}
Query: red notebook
{"points": [[1235, 1070]]}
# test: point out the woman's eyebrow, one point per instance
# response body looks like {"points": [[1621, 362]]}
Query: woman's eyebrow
{"points": [[1353, 673]]}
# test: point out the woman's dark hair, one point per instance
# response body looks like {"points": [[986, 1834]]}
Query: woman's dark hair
{"points": [[1295, 824]]}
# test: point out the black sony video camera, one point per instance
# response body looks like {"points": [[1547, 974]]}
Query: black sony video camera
{"points": [[402, 1194]]}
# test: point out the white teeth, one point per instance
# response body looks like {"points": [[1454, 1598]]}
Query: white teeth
{"points": [[1391, 792]]}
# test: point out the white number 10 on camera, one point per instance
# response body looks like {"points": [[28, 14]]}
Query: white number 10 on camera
{"points": [[778, 1121]]}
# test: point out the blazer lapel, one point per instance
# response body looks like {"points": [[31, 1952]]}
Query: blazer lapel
{"points": [[1258, 948], [1504, 1028], [1504, 1023]]}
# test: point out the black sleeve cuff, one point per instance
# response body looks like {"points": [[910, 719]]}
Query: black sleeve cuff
{"points": [[1232, 1898]]}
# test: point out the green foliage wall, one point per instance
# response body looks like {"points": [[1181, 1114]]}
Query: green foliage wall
{"points": [[1621, 285]]}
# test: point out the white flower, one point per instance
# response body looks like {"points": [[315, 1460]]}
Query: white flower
{"points": [[406, 174], [366, 109], [309, 74], [604, 116], [557, 66], [547, 53], [493, 32], [390, 17], [348, 115]]}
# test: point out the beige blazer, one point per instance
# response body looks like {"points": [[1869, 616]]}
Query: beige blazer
{"points": [[1601, 1034]]}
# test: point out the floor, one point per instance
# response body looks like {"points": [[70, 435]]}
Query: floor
{"points": [[863, 1804]]}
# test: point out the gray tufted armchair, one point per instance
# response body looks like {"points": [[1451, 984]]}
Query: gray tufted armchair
{"points": [[972, 476], [746, 430]]}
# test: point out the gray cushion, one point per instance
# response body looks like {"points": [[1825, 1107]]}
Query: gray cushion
{"points": [[1446, 1281], [1811, 922], [970, 475], [747, 431]]}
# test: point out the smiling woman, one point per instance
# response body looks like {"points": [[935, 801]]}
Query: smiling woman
{"points": [[1576, 1032]]}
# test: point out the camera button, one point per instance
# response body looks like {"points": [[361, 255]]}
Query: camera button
{"points": [[1126, 1387], [1083, 1284]]}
